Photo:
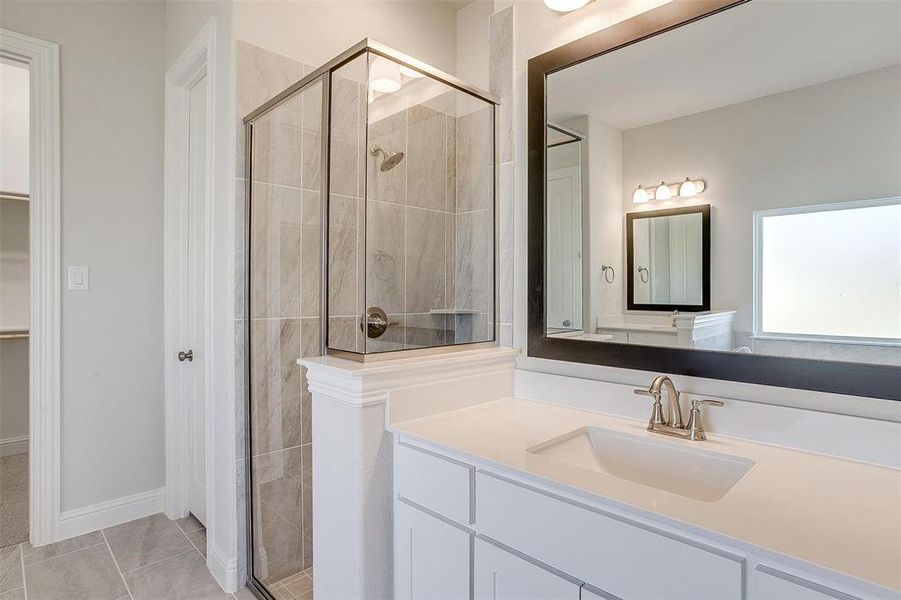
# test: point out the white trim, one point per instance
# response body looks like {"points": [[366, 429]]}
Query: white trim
{"points": [[757, 313], [111, 512], [12, 446], [189, 68], [42, 58], [225, 569]]}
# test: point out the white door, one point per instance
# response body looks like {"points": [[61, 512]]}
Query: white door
{"points": [[499, 575], [564, 248], [195, 317], [431, 557]]}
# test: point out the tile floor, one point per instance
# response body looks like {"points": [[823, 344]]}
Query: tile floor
{"points": [[13, 499], [150, 558], [296, 587]]}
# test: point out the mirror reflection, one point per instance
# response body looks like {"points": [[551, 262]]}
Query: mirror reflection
{"points": [[739, 151]]}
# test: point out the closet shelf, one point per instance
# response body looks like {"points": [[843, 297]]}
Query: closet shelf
{"points": [[16, 197]]}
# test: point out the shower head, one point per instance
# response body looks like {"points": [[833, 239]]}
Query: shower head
{"points": [[389, 160]]}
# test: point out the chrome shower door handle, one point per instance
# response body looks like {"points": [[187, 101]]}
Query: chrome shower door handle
{"points": [[186, 356]]}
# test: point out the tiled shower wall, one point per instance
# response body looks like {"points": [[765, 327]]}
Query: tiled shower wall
{"points": [[284, 466], [284, 319]]}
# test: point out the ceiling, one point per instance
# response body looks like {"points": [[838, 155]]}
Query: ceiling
{"points": [[758, 49]]}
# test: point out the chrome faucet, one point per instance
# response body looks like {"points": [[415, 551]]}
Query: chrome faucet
{"points": [[672, 423]]}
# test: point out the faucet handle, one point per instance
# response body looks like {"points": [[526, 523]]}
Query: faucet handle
{"points": [[656, 410], [695, 427]]}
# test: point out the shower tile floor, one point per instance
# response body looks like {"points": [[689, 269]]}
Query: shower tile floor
{"points": [[296, 587], [150, 558]]}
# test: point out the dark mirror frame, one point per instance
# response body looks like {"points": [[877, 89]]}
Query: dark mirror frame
{"points": [[701, 209], [875, 381]]}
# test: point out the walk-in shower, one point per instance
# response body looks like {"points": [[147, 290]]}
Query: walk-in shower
{"points": [[370, 187]]}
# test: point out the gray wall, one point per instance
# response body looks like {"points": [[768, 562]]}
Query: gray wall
{"points": [[112, 66]]}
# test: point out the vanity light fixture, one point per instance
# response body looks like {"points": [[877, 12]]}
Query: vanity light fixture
{"points": [[565, 6], [665, 191], [640, 195], [384, 76]]}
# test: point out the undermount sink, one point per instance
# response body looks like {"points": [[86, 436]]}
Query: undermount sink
{"points": [[670, 466]]}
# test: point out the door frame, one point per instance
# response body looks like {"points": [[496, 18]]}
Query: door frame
{"points": [[44, 397], [195, 63]]}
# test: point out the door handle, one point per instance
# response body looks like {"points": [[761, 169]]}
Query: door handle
{"points": [[186, 356]]}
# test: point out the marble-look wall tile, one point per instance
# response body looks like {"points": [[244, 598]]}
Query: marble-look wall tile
{"points": [[450, 192], [472, 328], [344, 333], [343, 277], [390, 134], [275, 345], [344, 158], [385, 258], [427, 158], [500, 73], [392, 339], [240, 247], [278, 514], [475, 176], [425, 262], [505, 245], [345, 110], [311, 160], [240, 387], [275, 251], [425, 331], [310, 254], [277, 151], [310, 336], [474, 262], [450, 253], [261, 74]]}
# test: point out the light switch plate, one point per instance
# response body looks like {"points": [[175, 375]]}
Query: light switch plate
{"points": [[79, 278]]}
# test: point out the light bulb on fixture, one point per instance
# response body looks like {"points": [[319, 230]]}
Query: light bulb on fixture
{"points": [[640, 195], [688, 188], [384, 76], [565, 5], [663, 192]]}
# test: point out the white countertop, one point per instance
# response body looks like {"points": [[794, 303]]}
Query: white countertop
{"points": [[840, 514]]}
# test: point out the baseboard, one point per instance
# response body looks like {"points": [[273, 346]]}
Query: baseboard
{"points": [[223, 569], [109, 513], [16, 445]]}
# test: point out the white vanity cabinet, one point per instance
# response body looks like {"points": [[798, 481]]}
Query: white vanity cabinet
{"points": [[479, 532], [501, 575], [431, 556]]}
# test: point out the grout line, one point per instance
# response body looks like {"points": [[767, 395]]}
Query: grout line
{"points": [[156, 562], [43, 560], [22, 567], [280, 450], [116, 562]]}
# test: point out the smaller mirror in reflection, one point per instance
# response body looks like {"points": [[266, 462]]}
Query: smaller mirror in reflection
{"points": [[668, 259]]}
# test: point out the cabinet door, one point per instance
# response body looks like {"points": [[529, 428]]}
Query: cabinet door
{"points": [[431, 557], [500, 575], [770, 584]]}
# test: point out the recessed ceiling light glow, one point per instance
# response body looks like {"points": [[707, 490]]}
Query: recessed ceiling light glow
{"points": [[384, 76], [565, 5]]}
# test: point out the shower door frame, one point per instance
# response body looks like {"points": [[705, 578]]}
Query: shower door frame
{"points": [[323, 75]]}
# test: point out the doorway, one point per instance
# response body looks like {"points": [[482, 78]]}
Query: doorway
{"points": [[189, 167], [14, 301]]}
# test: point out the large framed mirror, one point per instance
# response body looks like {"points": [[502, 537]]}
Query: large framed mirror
{"points": [[715, 190]]}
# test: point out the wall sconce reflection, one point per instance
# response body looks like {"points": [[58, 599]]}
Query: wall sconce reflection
{"points": [[686, 189]]}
